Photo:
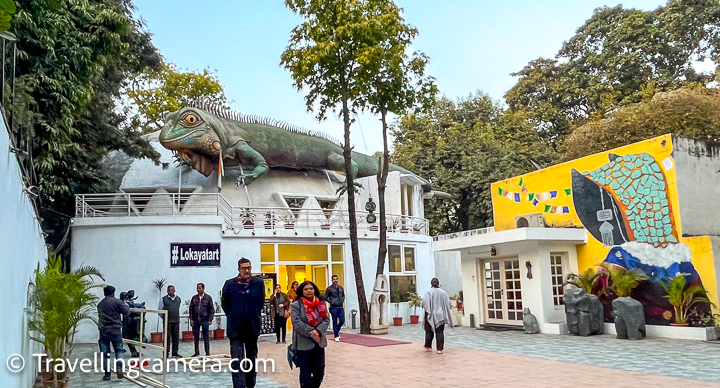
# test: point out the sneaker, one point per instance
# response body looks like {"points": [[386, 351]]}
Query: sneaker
{"points": [[428, 349], [106, 378], [284, 342], [195, 355], [177, 355], [277, 342], [337, 339], [439, 351]]}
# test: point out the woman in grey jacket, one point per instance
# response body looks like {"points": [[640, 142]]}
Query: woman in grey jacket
{"points": [[310, 321]]}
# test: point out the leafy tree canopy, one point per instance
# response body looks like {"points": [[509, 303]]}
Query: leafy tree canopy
{"points": [[74, 57], [157, 92], [462, 147], [692, 111], [611, 58]]}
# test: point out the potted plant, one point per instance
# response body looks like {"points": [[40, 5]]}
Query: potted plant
{"points": [[683, 297], [414, 301], [622, 281], [157, 336], [248, 219], [397, 320], [587, 280], [59, 302], [187, 336], [218, 333]]}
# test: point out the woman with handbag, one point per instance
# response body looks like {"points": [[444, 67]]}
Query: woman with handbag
{"points": [[280, 305], [310, 321]]}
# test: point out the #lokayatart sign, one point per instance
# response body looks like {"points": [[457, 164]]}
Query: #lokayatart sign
{"points": [[194, 254]]}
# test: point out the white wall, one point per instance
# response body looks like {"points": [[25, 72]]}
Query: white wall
{"points": [[22, 248], [132, 251], [449, 271], [697, 170]]}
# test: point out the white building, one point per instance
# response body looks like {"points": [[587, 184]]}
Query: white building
{"points": [[288, 223]]}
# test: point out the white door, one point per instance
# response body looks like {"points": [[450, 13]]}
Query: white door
{"points": [[503, 296]]}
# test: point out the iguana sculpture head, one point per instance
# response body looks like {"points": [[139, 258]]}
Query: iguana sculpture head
{"points": [[194, 135]]}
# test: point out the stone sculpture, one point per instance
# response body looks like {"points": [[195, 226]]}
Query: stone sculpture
{"points": [[629, 318], [204, 133], [584, 312], [379, 300], [530, 323]]}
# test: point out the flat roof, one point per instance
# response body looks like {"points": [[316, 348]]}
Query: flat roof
{"points": [[574, 235]]}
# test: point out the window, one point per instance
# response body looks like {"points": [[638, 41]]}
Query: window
{"points": [[557, 275], [407, 200], [401, 266]]}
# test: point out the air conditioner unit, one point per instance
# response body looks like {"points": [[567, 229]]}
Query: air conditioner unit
{"points": [[530, 221]]}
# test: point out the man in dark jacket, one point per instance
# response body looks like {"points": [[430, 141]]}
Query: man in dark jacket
{"points": [[242, 300], [335, 295], [202, 313], [171, 303], [110, 309]]}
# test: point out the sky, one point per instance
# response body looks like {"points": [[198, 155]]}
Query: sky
{"points": [[473, 45]]}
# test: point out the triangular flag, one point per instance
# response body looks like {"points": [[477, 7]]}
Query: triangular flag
{"points": [[524, 189], [530, 197], [567, 191], [566, 210], [521, 181], [500, 191], [547, 208]]}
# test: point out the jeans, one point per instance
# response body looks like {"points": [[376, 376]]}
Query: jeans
{"points": [[107, 338], [241, 348], [280, 326], [440, 343], [338, 319], [312, 367], [205, 332], [173, 337]]}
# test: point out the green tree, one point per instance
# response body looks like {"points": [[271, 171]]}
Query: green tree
{"points": [[7, 11], [692, 111], [157, 92], [73, 59], [330, 53], [462, 147], [611, 58]]}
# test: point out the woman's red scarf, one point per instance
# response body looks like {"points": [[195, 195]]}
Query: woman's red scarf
{"points": [[310, 310]]}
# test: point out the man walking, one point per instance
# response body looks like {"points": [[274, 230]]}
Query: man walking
{"points": [[202, 313], [242, 300], [171, 303], [110, 309], [335, 295]]}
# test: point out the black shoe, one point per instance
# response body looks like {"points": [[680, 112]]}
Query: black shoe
{"points": [[207, 354], [135, 354], [195, 355], [106, 378], [177, 355], [120, 374]]}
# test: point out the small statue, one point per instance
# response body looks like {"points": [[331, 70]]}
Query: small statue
{"points": [[530, 323], [629, 318]]}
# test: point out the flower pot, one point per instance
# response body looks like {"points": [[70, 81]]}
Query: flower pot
{"points": [[248, 225], [219, 334], [325, 227], [414, 319], [374, 228], [156, 338], [397, 321], [187, 336], [289, 226]]}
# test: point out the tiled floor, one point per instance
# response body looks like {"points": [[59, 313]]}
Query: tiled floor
{"points": [[475, 358]]}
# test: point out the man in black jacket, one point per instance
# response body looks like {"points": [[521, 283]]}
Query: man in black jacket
{"points": [[110, 309], [202, 312], [242, 300], [335, 295], [171, 303]]}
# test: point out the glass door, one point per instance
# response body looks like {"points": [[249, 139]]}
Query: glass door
{"points": [[503, 296]]}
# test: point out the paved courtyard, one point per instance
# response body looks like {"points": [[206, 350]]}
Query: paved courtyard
{"points": [[475, 358]]}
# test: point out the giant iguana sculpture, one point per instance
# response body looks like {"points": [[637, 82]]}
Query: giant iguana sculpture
{"points": [[202, 133]]}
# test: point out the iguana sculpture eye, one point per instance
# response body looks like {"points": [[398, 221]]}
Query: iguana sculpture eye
{"points": [[190, 119]]}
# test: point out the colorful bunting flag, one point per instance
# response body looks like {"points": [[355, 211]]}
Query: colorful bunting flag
{"points": [[567, 191]]}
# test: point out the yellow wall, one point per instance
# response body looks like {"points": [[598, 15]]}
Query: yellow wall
{"points": [[549, 192]]}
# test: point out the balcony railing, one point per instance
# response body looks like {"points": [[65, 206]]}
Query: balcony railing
{"points": [[466, 233], [236, 217]]}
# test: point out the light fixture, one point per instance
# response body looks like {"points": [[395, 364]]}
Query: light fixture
{"points": [[493, 251], [529, 269]]}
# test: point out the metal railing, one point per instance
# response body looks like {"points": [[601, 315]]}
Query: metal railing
{"points": [[466, 233], [235, 217]]}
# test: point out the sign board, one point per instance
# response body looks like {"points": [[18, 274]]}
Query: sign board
{"points": [[605, 215], [194, 255]]}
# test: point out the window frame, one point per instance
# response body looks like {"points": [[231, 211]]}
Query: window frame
{"points": [[563, 256], [403, 271]]}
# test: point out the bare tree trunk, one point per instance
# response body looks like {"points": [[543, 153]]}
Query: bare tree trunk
{"points": [[382, 181], [349, 178]]}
